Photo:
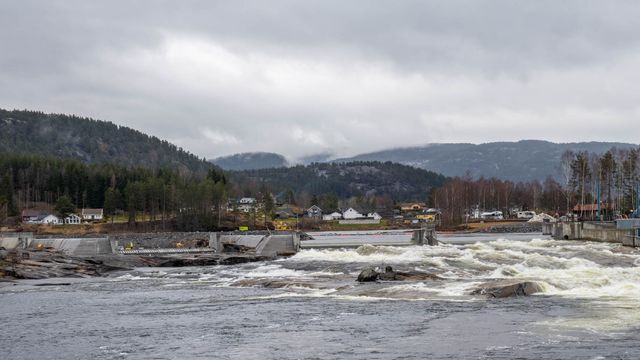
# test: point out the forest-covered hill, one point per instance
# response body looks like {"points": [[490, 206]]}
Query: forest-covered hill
{"points": [[524, 160], [90, 141], [250, 160], [345, 180]]}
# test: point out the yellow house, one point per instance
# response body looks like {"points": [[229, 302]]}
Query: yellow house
{"points": [[412, 206], [426, 217]]}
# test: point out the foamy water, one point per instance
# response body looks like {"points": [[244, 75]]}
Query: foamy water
{"points": [[310, 306]]}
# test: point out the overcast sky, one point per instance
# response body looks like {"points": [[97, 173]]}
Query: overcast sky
{"points": [[303, 77]]}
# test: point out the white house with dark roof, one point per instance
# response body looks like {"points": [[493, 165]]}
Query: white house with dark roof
{"points": [[351, 214], [50, 220], [374, 215], [72, 219], [314, 211], [333, 216], [92, 214]]}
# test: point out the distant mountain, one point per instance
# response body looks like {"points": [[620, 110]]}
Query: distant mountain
{"points": [[519, 161], [344, 180], [315, 158], [90, 141], [251, 160]]}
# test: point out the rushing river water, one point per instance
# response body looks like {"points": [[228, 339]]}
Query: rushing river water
{"points": [[309, 306]]}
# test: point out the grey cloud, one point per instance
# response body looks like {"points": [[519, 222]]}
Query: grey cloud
{"points": [[343, 77]]}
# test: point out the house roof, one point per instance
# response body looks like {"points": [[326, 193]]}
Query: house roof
{"points": [[32, 212], [44, 216], [314, 207], [91, 211], [412, 204]]}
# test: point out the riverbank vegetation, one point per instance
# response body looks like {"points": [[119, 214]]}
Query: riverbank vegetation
{"points": [[615, 175], [194, 197]]}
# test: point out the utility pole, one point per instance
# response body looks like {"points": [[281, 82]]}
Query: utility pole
{"points": [[598, 213]]}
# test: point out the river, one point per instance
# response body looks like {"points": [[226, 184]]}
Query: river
{"points": [[309, 307]]}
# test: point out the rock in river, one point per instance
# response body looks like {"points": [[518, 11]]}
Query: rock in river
{"points": [[503, 289], [370, 274]]}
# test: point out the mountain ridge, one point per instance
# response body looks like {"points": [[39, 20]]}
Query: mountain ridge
{"points": [[250, 160], [90, 141], [523, 160]]}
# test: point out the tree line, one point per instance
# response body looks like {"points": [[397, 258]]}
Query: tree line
{"points": [[615, 175], [613, 178], [194, 198]]}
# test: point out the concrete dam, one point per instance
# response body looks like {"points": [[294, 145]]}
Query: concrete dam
{"points": [[268, 244]]}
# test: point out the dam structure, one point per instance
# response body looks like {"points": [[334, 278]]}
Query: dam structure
{"points": [[423, 236], [262, 243], [622, 231]]}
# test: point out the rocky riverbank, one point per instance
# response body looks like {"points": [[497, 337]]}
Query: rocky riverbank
{"points": [[46, 264]]}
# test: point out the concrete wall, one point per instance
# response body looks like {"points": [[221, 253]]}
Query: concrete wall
{"points": [[425, 236], [13, 240], [75, 246], [160, 240], [262, 243], [355, 221], [593, 231], [284, 244], [265, 243], [627, 224]]}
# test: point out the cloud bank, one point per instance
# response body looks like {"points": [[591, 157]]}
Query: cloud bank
{"points": [[300, 78]]}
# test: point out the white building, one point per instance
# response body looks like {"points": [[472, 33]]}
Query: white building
{"points": [[351, 214], [50, 220], [374, 215], [314, 211], [525, 214], [72, 219], [246, 204], [495, 215], [332, 216], [91, 214]]}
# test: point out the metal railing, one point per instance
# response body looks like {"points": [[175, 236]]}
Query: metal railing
{"points": [[164, 251]]}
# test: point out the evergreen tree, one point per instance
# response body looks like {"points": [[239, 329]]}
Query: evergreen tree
{"points": [[64, 206]]}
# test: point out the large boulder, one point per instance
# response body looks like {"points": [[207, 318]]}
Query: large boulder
{"points": [[368, 274], [503, 289]]}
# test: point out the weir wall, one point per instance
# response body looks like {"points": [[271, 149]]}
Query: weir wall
{"points": [[161, 240], [592, 231], [15, 240]]}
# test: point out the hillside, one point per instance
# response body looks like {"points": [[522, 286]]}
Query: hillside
{"points": [[90, 141], [251, 160], [519, 161], [347, 179]]}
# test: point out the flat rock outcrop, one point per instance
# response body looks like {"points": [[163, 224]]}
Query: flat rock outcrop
{"points": [[504, 289], [52, 264], [47, 264], [370, 274]]}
